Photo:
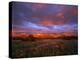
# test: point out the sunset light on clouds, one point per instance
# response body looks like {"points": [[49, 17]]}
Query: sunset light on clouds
{"points": [[44, 18], [43, 29]]}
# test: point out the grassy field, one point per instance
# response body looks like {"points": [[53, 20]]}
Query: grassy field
{"points": [[43, 47]]}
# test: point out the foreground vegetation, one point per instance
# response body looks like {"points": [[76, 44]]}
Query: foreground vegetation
{"points": [[43, 47]]}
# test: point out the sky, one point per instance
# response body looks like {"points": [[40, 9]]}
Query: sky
{"points": [[44, 18]]}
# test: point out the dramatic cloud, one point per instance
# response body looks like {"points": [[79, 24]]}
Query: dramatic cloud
{"points": [[44, 18]]}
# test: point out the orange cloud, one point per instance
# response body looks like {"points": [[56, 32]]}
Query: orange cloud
{"points": [[60, 15], [46, 22]]}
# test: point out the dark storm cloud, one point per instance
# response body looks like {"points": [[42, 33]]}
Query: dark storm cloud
{"points": [[44, 17], [20, 13]]}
